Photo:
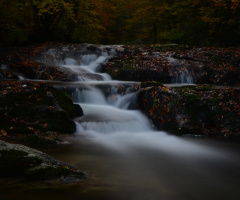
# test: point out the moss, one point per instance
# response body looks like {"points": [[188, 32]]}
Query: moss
{"points": [[64, 101], [47, 173], [14, 163], [43, 108]]}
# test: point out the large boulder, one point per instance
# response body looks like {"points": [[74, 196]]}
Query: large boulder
{"points": [[176, 64], [28, 108], [197, 110]]}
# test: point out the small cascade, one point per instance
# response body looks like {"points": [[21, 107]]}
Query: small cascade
{"points": [[122, 102], [88, 68], [105, 119], [70, 61], [90, 95], [114, 96], [83, 61], [21, 77], [88, 59], [110, 127], [184, 77]]}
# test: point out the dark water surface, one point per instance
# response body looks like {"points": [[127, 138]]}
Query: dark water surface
{"points": [[139, 172]]}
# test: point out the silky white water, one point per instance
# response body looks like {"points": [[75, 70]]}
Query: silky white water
{"points": [[107, 121]]}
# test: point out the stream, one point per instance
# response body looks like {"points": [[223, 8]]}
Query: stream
{"points": [[125, 158]]}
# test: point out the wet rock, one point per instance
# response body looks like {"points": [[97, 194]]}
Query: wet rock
{"points": [[176, 64], [199, 110], [78, 112], [28, 108], [19, 161]]}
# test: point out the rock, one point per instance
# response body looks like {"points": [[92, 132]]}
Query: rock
{"points": [[78, 112], [70, 180], [19, 161], [173, 63], [36, 109], [198, 110]]}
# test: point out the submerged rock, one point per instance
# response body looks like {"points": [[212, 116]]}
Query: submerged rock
{"points": [[19, 161]]}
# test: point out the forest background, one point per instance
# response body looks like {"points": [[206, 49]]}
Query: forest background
{"points": [[193, 22]]}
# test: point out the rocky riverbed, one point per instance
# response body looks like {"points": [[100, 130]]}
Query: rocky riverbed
{"points": [[166, 63], [37, 114]]}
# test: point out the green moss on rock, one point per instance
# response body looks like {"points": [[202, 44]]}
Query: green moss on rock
{"points": [[15, 163], [36, 108], [193, 109], [19, 161]]}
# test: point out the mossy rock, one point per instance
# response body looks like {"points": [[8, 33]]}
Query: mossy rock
{"points": [[48, 172], [19, 161], [40, 108], [196, 110], [15, 163]]}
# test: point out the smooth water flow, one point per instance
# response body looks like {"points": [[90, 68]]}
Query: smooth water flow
{"points": [[106, 113], [182, 76], [107, 121]]}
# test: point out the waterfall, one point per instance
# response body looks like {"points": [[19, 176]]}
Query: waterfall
{"points": [[88, 67], [184, 77], [88, 59], [105, 104], [90, 95], [105, 109], [109, 120]]}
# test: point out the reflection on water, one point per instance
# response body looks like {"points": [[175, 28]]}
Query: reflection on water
{"points": [[140, 173]]}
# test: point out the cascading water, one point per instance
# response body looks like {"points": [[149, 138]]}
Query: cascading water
{"points": [[182, 76], [127, 158], [106, 118]]}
